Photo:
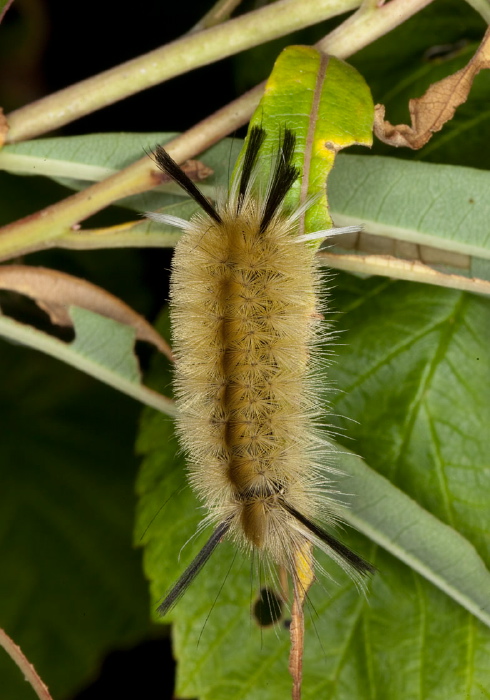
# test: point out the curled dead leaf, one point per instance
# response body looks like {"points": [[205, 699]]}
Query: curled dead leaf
{"points": [[430, 112], [195, 169], [55, 291]]}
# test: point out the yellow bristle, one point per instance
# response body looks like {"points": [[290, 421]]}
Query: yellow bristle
{"points": [[247, 323], [243, 317]]}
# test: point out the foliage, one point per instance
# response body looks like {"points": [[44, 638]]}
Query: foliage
{"points": [[409, 387]]}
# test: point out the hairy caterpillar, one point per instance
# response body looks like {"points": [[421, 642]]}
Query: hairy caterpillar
{"points": [[245, 319]]}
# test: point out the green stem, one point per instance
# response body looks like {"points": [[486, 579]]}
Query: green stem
{"points": [[58, 220], [35, 230], [41, 229], [369, 23], [132, 237], [220, 12], [180, 56]]}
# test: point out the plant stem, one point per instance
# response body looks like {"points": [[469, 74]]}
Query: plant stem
{"points": [[370, 22], [180, 56], [29, 233], [33, 232], [123, 236], [4, 9], [30, 673], [39, 230], [220, 12]]}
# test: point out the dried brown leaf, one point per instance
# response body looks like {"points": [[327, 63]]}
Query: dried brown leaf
{"points": [[55, 291], [195, 169], [430, 112]]}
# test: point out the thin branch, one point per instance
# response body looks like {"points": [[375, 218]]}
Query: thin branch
{"points": [[178, 57], [28, 233], [130, 235], [411, 270], [370, 22], [28, 670], [54, 222], [41, 229], [5, 8], [220, 12]]}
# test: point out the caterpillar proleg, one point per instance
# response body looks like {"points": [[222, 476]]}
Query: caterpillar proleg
{"points": [[246, 327]]}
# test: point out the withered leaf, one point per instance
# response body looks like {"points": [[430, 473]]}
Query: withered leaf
{"points": [[430, 112], [55, 291]]}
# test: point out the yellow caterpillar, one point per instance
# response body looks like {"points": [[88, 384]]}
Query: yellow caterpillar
{"points": [[246, 325]]}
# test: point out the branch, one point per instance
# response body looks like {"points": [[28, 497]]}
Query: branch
{"points": [[220, 12], [33, 232], [181, 56], [370, 22], [25, 666]]}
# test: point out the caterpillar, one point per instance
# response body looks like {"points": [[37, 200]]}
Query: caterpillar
{"points": [[246, 323]]}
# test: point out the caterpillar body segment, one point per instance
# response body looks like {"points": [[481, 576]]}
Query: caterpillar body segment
{"points": [[246, 321]]}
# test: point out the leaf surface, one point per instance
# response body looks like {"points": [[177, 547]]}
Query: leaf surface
{"points": [[442, 206], [414, 375], [103, 348], [328, 106], [71, 587]]}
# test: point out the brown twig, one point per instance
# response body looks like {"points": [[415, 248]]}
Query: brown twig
{"points": [[30, 673]]}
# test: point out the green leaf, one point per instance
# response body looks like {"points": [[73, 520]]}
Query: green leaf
{"points": [[76, 161], [71, 587], [413, 535], [412, 378], [442, 206], [328, 106], [427, 432], [105, 342], [91, 157], [103, 348]]}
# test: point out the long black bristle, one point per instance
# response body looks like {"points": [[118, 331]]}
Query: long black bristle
{"points": [[169, 166], [359, 564], [193, 569], [283, 178], [255, 141]]}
